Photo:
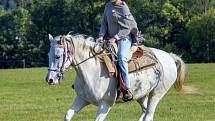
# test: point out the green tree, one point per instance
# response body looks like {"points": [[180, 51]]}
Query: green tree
{"points": [[14, 31], [197, 7], [201, 35], [24, 30]]}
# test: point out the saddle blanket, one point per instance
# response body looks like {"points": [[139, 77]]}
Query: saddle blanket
{"points": [[142, 57]]}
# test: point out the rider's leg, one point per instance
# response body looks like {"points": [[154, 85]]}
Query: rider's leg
{"points": [[124, 46]]}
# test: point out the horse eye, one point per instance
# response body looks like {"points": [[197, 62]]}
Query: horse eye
{"points": [[59, 42], [57, 57]]}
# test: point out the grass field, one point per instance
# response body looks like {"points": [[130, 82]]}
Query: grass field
{"points": [[24, 96]]}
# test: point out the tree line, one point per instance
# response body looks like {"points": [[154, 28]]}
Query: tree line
{"points": [[184, 27]]}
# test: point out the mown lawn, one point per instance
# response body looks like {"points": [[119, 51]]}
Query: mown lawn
{"points": [[24, 96]]}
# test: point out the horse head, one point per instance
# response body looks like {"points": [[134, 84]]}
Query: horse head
{"points": [[60, 58]]}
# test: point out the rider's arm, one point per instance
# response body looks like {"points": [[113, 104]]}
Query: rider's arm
{"points": [[103, 28]]}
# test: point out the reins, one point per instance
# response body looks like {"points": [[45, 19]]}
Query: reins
{"points": [[94, 54]]}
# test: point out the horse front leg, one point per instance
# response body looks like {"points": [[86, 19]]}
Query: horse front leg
{"points": [[77, 105], [102, 111]]}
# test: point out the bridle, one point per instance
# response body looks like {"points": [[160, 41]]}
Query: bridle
{"points": [[67, 56]]}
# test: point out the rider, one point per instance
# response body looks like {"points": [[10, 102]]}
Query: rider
{"points": [[119, 26]]}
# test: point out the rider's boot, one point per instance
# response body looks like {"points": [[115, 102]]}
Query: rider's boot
{"points": [[127, 96]]}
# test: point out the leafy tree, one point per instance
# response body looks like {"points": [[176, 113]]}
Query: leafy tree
{"points": [[179, 26], [14, 31], [197, 7], [201, 35]]}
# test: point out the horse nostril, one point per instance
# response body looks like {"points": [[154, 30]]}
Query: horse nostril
{"points": [[50, 81]]}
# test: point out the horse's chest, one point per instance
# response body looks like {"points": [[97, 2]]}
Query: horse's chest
{"points": [[94, 94], [88, 94]]}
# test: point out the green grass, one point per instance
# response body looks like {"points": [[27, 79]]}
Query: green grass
{"points": [[24, 96]]}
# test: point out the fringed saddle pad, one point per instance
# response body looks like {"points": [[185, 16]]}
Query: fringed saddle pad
{"points": [[142, 57]]}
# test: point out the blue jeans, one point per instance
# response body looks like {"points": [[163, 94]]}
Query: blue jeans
{"points": [[124, 46]]}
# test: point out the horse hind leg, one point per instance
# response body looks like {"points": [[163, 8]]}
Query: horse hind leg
{"points": [[77, 105], [143, 103], [153, 99]]}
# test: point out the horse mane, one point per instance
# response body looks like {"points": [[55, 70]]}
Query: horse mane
{"points": [[83, 41]]}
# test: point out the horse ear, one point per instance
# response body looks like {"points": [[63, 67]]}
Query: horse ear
{"points": [[50, 37]]}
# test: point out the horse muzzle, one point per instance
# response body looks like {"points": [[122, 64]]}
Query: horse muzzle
{"points": [[50, 80]]}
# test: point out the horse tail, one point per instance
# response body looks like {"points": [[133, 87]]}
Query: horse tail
{"points": [[181, 72]]}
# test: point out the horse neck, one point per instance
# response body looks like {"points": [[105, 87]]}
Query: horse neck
{"points": [[86, 65]]}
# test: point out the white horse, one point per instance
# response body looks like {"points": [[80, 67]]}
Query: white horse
{"points": [[93, 84]]}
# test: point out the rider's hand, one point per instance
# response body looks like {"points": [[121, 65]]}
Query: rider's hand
{"points": [[99, 45], [100, 39], [112, 41]]}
